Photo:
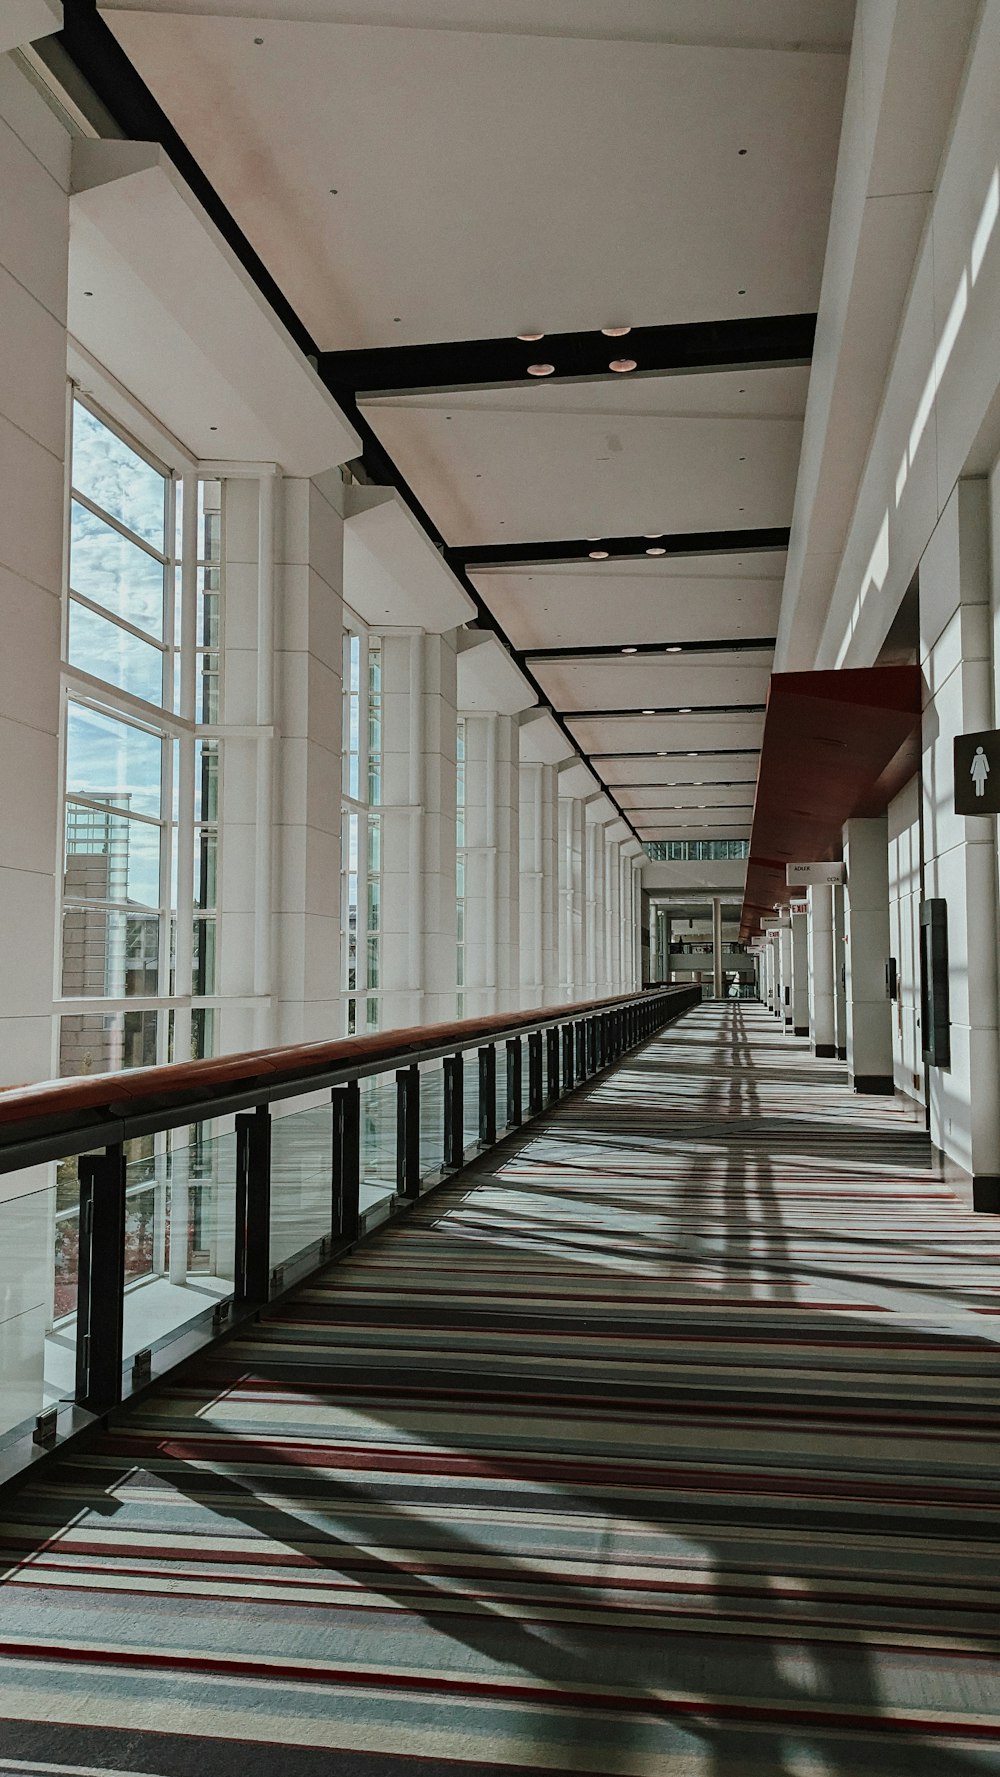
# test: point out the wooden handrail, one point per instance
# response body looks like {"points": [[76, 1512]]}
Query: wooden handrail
{"points": [[132, 1090]]}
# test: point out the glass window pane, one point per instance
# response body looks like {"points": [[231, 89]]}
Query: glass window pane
{"points": [[112, 761], [206, 863], [203, 973], [109, 952], [115, 573], [100, 647], [101, 1042], [116, 478], [111, 858]]}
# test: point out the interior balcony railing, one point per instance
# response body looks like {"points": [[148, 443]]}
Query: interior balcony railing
{"points": [[147, 1213]]}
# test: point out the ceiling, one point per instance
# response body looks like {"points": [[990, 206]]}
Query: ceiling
{"points": [[455, 173]]}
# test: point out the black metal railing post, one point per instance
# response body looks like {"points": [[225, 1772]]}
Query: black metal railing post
{"points": [[581, 1050], [101, 1280], [552, 1063], [408, 1131], [345, 1169], [535, 1090], [253, 1205], [487, 1096], [568, 1068], [514, 1112], [454, 1112]]}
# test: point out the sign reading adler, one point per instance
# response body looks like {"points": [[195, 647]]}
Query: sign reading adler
{"points": [[977, 772], [806, 873]]}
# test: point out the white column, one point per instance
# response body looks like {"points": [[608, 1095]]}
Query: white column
{"points": [[800, 974], [717, 974], [419, 930], [960, 853], [820, 946], [572, 906], [839, 973], [866, 932], [539, 885], [785, 956], [492, 920]]}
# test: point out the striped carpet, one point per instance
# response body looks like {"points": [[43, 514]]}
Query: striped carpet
{"points": [[663, 1443]]}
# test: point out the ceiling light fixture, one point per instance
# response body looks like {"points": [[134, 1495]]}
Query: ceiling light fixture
{"points": [[630, 650], [656, 552], [540, 369], [622, 364], [598, 554], [685, 711], [674, 648], [649, 712], [530, 336], [615, 332]]}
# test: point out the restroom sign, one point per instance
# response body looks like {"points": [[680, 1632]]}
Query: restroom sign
{"points": [[977, 772]]}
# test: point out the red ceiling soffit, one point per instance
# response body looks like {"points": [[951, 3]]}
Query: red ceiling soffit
{"points": [[836, 744]]}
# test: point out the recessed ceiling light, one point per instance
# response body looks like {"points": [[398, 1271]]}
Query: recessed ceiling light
{"points": [[622, 364], [630, 650], [615, 332], [674, 648], [649, 712], [530, 336], [540, 369], [598, 554], [662, 755], [656, 552], [693, 754], [685, 711]]}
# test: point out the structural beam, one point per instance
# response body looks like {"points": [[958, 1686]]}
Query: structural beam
{"points": [[576, 549], [760, 342]]}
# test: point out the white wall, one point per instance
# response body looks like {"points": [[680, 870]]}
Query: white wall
{"points": [[904, 938]]}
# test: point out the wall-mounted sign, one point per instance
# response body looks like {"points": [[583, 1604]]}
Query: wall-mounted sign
{"points": [[795, 874], [977, 772], [796, 906], [775, 924]]}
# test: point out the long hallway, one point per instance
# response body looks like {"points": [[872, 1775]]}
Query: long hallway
{"points": [[664, 1443]]}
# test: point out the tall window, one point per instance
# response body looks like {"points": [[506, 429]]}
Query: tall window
{"points": [[460, 865], [135, 608], [361, 867], [687, 851]]}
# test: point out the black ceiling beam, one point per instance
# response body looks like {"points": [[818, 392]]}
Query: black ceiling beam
{"points": [[614, 651], [673, 709], [692, 348], [678, 753], [581, 549]]}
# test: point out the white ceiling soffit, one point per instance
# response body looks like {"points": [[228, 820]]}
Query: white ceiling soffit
{"points": [[23, 21], [541, 471], [671, 796], [623, 773], [641, 734], [393, 575], [577, 780], [601, 809], [156, 296], [636, 681], [632, 848], [453, 153], [489, 681], [618, 831], [542, 741], [906, 66], [769, 24], [632, 603], [678, 831]]}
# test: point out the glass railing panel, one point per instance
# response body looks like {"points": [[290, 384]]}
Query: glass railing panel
{"points": [[180, 1237], [301, 1173], [470, 1106], [378, 1140], [431, 1118], [39, 1266]]}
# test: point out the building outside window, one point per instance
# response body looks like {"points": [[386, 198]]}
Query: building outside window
{"points": [[141, 694], [695, 851], [361, 867]]}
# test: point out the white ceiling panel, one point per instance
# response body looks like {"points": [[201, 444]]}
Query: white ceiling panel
{"points": [[693, 832], [708, 768], [470, 166], [640, 734], [541, 740], [777, 24], [541, 608], [538, 475], [689, 796], [634, 681]]}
